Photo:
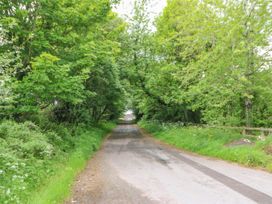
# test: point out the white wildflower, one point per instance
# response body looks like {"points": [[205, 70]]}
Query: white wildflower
{"points": [[8, 191], [13, 167]]}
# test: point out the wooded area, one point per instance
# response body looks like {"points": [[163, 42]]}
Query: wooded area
{"points": [[61, 57], [66, 65], [207, 61]]}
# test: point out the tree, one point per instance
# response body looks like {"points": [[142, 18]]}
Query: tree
{"points": [[47, 84], [67, 51], [209, 64], [9, 63], [138, 57]]}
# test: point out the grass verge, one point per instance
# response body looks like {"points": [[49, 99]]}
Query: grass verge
{"points": [[38, 163], [58, 187], [213, 142]]}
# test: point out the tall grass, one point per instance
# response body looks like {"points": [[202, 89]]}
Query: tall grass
{"points": [[213, 142]]}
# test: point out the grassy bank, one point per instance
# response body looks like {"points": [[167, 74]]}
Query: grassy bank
{"points": [[38, 164], [214, 142]]}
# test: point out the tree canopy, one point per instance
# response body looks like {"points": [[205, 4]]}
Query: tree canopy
{"points": [[60, 56], [201, 61], [211, 63]]}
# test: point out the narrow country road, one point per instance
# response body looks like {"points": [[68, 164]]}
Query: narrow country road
{"points": [[135, 169]]}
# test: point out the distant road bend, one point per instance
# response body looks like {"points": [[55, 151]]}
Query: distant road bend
{"points": [[134, 169]]}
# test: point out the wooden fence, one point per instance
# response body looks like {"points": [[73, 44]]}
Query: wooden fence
{"points": [[247, 130], [243, 130]]}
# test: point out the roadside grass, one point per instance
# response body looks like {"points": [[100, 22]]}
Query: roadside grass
{"points": [[38, 163], [58, 187], [212, 142]]}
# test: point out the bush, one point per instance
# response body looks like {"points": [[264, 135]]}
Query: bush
{"points": [[23, 147], [30, 154], [25, 140]]}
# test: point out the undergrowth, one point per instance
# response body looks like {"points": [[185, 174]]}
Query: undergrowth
{"points": [[38, 164]]}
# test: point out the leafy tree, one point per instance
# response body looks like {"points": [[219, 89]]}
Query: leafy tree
{"points": [[67, 52], [49, 83], [138, 59], [209, 65], [206, 61], [9, 63]]}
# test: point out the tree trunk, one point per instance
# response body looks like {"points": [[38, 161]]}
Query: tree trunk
{"points": [[248, 112]]}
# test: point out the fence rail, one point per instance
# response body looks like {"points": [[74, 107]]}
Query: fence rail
{"points": [[244, 130]]}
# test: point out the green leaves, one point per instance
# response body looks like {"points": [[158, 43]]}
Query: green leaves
{"points": [[203, 62], [207, 60], [49, 83], [63, 56]]}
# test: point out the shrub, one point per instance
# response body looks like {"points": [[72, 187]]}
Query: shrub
{"points": [[30, 154], [23, 148]]}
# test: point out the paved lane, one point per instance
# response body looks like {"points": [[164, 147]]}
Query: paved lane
{"points": [[132, 168]]}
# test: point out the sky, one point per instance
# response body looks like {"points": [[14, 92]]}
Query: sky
{"points": [[126, 7]]}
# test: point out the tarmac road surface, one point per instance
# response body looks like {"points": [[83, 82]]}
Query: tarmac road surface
{"points": [[135, 169]]}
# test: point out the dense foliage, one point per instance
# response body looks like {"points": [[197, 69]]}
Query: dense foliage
{"points": [[207, 61], [66, 64], [60, 55], [59, 77], [30, 155]]}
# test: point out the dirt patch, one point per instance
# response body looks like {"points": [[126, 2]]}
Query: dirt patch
{"points": [[88, 186], [241, 142]]}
